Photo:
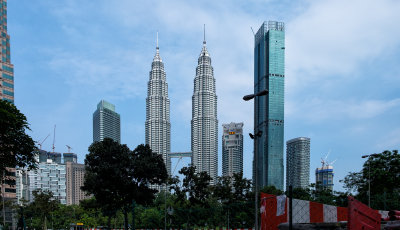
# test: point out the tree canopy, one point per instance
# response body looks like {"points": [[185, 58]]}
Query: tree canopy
{"points": [[16, 147], [117, 176], [382, 171]]}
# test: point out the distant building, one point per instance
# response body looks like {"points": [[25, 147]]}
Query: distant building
{"points": [[204, 124], [324, 177], [22, 186], [232, 149], [157, 124], [70, 157], [106, 122], [75, 175], [9, 191], [298, 162], [49, 176], [269, 74]]}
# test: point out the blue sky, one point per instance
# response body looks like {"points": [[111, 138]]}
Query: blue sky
{"points": [[342, 86]]}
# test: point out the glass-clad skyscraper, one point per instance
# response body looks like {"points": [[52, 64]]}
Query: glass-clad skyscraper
{"points": [[269, 73], [298, 162], [204, 117], [158, 125], [7, 69], [106, 122]]}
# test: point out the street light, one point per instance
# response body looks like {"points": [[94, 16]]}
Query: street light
{"points": [[369, 175], [254, 137]]}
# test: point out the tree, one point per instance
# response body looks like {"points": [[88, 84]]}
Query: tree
{"points": [[41, 208], [16, 147], [382, 171], [117, 176]]}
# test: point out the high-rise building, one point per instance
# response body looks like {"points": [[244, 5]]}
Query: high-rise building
{"points": [[106, 122], [298, 162], [22, 186], [75, 174], [7, 69], [49, 176], [6, 93], [269, 74], [158, 125], [232, 149], [70, 157], [324, 177], [204, 142]]}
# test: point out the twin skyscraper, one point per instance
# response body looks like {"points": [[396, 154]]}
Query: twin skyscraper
{"points": [[204, 124]]}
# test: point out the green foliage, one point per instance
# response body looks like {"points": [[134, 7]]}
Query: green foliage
{"points": [[271, 190], [117, 176], [382, 170], [16, 147]]}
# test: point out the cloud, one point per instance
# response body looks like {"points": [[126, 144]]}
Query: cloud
{"points": [[333, 38], [321, 110]]}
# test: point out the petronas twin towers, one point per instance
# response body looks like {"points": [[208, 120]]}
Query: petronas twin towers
{"points": [[204, 124]]}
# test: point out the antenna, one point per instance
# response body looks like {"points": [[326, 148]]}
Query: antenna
{"points": [[54, 138], [204, 41], [157, 39], [40, 144], [252, 30], [69, 148]]}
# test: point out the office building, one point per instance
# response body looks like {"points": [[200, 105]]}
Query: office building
{"points": [[9, 194], [204, 124], [324, 177], [158, 125], [298, 162], [49, 176], [232, 149], [7, 69], [75, 175], [70, 157], [269, 74], [6, 93], [22, 186], [106, 122]]}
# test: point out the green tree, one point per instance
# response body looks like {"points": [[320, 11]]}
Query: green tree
{"points": [[16, 147], [117, 176], [382, 172], [41, 208]]}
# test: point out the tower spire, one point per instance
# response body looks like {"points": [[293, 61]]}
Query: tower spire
{"points": [[157, 40], [204, 41]]}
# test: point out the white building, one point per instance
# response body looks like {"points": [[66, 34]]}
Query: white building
{"points": [[298, 162], [158, 125], [232, 149], [204, 143], [49, 176]]}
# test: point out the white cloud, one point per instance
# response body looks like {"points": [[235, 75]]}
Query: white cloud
{"points": [[333, 38]]}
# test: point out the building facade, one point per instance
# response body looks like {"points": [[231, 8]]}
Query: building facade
{"points": [[6, 93], [7, 69], [298, 162], [75, 175], [269, 74], [106, 122], [158, 125], [232, 149], [49, 176], [204, 124], [324, 177]]}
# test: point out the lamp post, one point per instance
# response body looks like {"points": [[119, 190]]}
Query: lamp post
{"points": [[254, 137], [369, 175]]}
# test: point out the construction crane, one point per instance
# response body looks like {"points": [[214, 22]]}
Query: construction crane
{"points": [[69, 148], [40, 144]]}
